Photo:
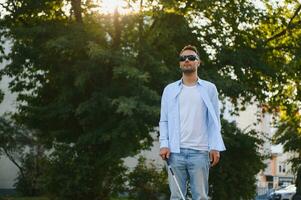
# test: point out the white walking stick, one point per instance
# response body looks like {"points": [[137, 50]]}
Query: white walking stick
{"points": [[175, 179]]}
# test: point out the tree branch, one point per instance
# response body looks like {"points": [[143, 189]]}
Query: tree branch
{"points": [[289, 26], [10, 157]]}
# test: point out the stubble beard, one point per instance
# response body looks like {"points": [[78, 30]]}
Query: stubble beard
{"points": [[188, 70]]}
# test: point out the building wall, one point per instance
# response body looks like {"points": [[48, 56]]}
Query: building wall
{"points": [[278, 171]]}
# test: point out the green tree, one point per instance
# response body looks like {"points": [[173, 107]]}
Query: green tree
{"points": [[89, 99], [282, 41], [91, 83]]}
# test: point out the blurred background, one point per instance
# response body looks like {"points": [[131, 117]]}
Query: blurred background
{"points": [[81, 82]]}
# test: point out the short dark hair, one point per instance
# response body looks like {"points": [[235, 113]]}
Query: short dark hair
{"points": [[190, 47]]}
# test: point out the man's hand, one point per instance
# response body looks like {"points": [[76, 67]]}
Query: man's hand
{"points": [[214, 157], [164, 153]]}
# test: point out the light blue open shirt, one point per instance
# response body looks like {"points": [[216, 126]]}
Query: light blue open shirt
{"points": [[170, 116]]}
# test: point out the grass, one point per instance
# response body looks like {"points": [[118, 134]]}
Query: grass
{"points": [[23, 198], [43, 198]]}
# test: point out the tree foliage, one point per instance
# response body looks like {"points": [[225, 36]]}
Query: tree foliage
{"points": [[148, 182], [23, 149], [89, 84], [235, 176], [282, 40]]}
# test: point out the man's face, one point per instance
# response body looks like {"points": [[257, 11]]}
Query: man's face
{"points": [[189, 61]]}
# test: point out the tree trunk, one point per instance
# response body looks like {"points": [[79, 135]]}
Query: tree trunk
{"points": [[140, 34], [10, 157], [117, 27], [76, 7]]}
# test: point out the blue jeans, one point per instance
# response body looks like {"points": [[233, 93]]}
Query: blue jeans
{"points": [[193, 166]]}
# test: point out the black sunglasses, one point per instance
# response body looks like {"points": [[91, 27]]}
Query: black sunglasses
{"points": [[189, 57]]}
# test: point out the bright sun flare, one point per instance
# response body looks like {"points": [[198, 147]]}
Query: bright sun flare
{"points": [[109, 6]]}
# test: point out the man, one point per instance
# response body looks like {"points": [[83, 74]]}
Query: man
{"points": [[190, 127]]}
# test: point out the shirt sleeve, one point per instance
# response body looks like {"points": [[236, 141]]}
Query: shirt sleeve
{"points": [[163, 124], [215, 139]]}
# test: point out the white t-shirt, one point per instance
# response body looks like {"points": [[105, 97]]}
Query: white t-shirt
{"points": [[192, 119]]}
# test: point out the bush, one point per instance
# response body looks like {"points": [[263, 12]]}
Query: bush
{"points": [[74, 174], [29, 183], [148, 182]]}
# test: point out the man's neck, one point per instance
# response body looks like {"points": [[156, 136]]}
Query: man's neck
{"points": [[190, 79]]}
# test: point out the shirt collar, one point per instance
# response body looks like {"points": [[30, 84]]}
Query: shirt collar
{"points": [[180, 82]]}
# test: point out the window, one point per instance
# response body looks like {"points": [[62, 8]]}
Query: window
{"points": [[282, 168]]}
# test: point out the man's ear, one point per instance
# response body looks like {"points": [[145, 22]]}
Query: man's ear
{"points": [[200, 62]]}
